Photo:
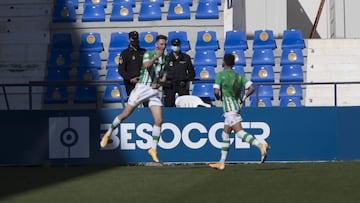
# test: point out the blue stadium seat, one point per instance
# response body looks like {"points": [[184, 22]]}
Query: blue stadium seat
{"points": [[206, 40], [112, 92], [182, 35], [91, 42], [290, 102], [178, 10], [263, 57], [62, 42], [93, 13], [260, 102], [203, 90], [263, 91], [292, 39], [240, 59], [216, 1], [60, 60], [291, 73], [189, 2], [122, 12], [235, 39], [207, 10], [204, 72], [131, 2], [262, 73], [205, 58], [290, 91], [64, 13], [89, 60], [160, 2], [147, 40], [264, 39], [57, 94], [118, 41], [291, 56], [74, 2], [239, 70], [113, 60], [149, 12], [102, 3], [86, 93]]}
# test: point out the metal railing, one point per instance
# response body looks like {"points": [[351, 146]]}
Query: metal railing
{"points": [[33, 84]]}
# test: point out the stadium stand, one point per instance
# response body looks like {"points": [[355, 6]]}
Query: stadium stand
{"points": [[113, 60], [240, 58], [204, 72], [291, 73], [57, 94], [160, 2], [189, 2], [292, 56], [91, 42], [131, 2], [149, 11], [87, 93], [114, 93], [206, 40], [60, 60], [102, 3], [262, 73], [74, 2], [205, 58], [118, 41], [207, 10], [64, 12], [263, 57], [292, 38], [261, 102], [62, 42], [239, 70], [89, 60], [204, 90], [182, 36], [290, 102], [290, 91], [147, 40], [235, 39]]}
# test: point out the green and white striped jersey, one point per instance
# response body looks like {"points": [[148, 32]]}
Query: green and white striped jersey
{"points": [[148, 76], [231, 85]]}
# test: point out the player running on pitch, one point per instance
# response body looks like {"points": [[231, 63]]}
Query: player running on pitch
{"points": [[228, 86]]}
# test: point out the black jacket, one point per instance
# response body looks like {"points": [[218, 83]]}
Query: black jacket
{"points": [[180, 69], [130, 62]]}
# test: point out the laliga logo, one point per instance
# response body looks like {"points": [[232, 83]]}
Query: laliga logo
{"points": [[193, 135]]}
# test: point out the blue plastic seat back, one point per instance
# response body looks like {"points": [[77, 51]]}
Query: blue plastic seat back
{"points": [[113, 74], [73, 2], [56, 95], [113, 60], [262, 73], [60, 60], [189, 2], [263, 91], [239, 70], [235, 39], [206, 40], [203, 90], [290, 91], [205, 58], [264, 39], [89, 60], [58, 75], [204, 72], [131, 2], [86, 93], [263, 57], [114, 94], [261, 102], [178, 10], [102, 3], [87, 74], [93, 13], [218, 2], [62, 42], [118, 41], [207, 10], [290, 102], [122, 12], [292, 39], [91, 42], [149, 12], [291, 73], [182, 36], [160, 2], [291, 56], [239, 54], [64, 13], [147, 40]]}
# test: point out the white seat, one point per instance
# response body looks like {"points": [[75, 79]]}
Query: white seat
{"points": [[190, 101]]}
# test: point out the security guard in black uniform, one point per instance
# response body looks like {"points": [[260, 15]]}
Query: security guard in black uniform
{"points": [[130, 62], [180, 71]]}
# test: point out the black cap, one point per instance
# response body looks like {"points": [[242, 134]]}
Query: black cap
{"points": [[175, 42], [134, 35]]}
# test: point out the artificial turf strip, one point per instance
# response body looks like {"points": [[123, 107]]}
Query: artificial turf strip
{"points": [[270, 182]]}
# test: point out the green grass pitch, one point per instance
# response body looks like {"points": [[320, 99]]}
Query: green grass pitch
{"points": [[270, 182]]}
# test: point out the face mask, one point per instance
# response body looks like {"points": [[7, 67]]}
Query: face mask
{"points": [[135, 44], [175, 48]]}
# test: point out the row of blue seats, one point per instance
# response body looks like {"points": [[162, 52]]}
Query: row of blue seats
{"points": [[94, 11]]}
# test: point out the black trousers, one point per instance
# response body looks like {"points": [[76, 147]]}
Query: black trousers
{"points": [[170, 92]]}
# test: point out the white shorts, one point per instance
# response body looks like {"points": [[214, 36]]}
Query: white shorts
{"points": [[231, 118], [142, 93]]}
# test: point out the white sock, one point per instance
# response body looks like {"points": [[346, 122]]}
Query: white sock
{"points": [[114, 124], [156, 136], [224, 146], [248, 138]]}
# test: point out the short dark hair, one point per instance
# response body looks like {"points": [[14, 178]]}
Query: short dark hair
{"points": [[229, 59], [159, 37]]}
